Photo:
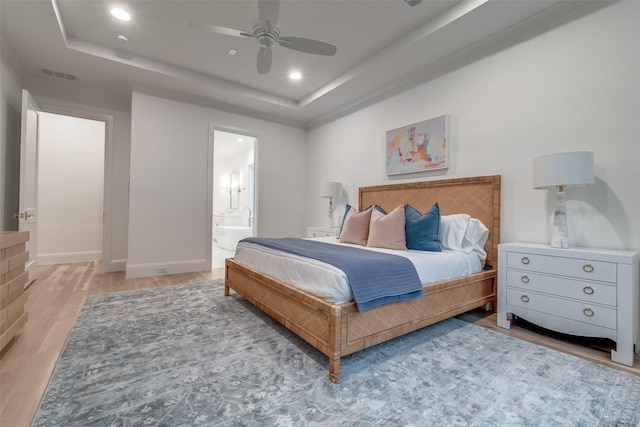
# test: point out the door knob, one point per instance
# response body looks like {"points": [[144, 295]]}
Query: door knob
{"points": [[23, 215]]}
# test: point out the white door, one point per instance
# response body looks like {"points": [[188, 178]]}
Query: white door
{"points": [[28, 214]]}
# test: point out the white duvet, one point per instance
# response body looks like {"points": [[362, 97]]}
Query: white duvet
{"points": [[330, 283]]}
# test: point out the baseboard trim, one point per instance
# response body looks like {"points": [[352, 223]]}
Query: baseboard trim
{"points": [[69, 257], [115, 265], [134, 271]]}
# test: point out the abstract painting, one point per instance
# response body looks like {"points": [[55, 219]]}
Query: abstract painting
{"points": [[418, 147]]}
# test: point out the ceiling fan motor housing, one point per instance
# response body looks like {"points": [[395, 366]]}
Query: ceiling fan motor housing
{"points": [[264, 37]]}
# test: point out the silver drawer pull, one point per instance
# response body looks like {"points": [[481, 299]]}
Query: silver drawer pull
{"points": [[588, 290], [525, 260], [524, 298], [525, 279], [588, 268], [587, 312]]}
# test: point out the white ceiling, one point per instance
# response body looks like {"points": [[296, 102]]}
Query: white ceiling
{"points": [[383, 46]]}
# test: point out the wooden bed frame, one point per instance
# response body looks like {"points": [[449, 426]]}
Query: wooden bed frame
{"points": [[340, 329]]}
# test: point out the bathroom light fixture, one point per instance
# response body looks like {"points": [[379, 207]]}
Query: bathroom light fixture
{"points": [[330, 189], [562, 170], [120, 14]]}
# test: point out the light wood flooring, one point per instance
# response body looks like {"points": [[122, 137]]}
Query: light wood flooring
{"points": [[57, 295]]}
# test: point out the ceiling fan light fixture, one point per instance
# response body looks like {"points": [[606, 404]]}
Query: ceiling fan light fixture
{"points": [[295, 75], [266, 31], [120, 14]]}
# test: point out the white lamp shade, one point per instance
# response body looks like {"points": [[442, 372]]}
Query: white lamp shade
{"points": [[330, 189], [573, 169]]}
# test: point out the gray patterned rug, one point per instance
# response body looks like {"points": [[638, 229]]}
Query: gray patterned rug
{"points": [[188, 356]]}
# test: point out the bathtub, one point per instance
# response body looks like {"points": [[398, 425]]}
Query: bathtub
{"points": [[228, 236]]}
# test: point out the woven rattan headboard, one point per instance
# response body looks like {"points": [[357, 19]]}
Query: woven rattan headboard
{"points": [[476, 196]]}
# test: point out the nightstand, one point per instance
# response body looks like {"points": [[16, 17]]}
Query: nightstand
{"points": [[323, 231], [577, 291]]}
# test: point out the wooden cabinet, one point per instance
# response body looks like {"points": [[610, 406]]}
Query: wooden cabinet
{"points": [[13, 277], [580, 291], [322, 231]]}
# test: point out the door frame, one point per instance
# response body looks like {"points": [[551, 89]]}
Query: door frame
{"points": [[107, 264], [240, 131], [28, 213]]}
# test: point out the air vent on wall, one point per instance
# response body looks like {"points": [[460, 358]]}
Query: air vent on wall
{"points": [[58, 74]]}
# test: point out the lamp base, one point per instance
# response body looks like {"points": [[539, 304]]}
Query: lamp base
{"points": [[330, 216], [560, 232]]}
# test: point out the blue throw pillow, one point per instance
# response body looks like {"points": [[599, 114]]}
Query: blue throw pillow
{"points": [[423, 231]]}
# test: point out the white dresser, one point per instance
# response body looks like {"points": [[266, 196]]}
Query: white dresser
{"points": [[322, 231], [578, 291]]}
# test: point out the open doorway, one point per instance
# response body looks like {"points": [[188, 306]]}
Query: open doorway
{"points": [[234, 193], [70, 189]]}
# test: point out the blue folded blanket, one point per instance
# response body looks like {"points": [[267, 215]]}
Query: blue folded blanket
{"points": [[375, 278]]}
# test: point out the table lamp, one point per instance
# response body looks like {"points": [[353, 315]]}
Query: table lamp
{"points": [[562, 170], [330, 189]]}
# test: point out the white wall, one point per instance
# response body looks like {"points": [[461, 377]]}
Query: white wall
{"points": [[222, 167], [575, 87], [169, 219], [70, 189]]}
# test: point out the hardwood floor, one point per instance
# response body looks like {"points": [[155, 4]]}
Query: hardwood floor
{"points": [[58, 294]]}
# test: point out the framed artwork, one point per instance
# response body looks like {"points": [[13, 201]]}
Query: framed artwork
{"points": [[418, 147]]}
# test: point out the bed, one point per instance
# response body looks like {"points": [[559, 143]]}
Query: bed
{"points": [[338, 330]]}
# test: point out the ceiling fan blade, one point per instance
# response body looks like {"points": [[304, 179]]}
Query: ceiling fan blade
{"points": [[218, 30], [301, 44], [268, 11], [263, 62]]}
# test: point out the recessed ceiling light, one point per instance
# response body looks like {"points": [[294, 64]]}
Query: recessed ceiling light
{"points": [[240, 139], [295, 75], [120, 14], [122, 38]]}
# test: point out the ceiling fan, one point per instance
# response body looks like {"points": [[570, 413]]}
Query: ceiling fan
{"points": [[265, 29]]}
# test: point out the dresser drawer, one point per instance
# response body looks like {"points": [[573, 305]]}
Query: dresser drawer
{"points": [[571, 267], [586, 291], [322, 232], [575, 310]]}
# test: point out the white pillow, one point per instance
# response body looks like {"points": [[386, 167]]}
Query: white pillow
{"points": [[475, 238], [460, 232], [452, 231]]}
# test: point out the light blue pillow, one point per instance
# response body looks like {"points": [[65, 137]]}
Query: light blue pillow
{"points": [[423, 231]]}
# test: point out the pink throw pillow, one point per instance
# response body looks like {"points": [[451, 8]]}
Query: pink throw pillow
{"points": [[387, 231], [355, 228]]}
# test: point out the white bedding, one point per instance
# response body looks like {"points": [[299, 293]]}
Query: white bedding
{"points": [[330, 283]]}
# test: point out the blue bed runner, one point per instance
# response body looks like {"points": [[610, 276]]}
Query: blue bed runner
{"points": [[376, 278]]}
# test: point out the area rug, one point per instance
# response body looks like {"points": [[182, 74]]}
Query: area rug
{"points": [[186, 355]]}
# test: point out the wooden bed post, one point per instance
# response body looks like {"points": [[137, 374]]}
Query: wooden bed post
{"points": [[336, 329], [334, 369]]}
